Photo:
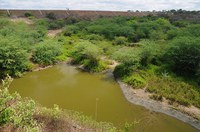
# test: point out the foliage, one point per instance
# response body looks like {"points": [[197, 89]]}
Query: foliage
{"points": [[4, 22], [125, 69], [181, 23], [88, 55], [120, 41], [150, 53], [13, 63], [56, 24], [135, 80], [16, 111], [126, 54], [46, 53], [51, 16], [184, 56], [16, 44], [174, 90], [95, 37], [28, 14], [76, 117], [71, 29]]}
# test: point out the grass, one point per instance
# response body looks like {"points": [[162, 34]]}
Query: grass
{"points": [[73, 118], [163, 84], [174, 90]]}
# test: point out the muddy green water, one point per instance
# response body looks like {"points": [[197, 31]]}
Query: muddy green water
{"points": [[75, 90]]}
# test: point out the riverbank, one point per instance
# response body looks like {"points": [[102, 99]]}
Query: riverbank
{"points": [[140, 97], [188, 115]]}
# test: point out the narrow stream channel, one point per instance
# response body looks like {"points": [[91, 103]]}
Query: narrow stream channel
{"points": [[80, 91]]}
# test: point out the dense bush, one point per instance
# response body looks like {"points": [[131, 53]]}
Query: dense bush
{"points": [[150, 53], [126, 54], [95, 37], [46, 53], [13, 59], [56, 24], [134, 29], [28, 14], [23, 34], [191, 30], [124, 70], [51, 16], [184, 56], [70, 29], [50, 24], [120, 41], [88, 55], [181, 23], [16, 44]]}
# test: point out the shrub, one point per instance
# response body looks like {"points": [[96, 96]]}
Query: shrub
{"points": [[135, 81], [94, 65], [150, 53], [184, 56], [28, 14], [46, 54], [181, 23], [157, 35], [56, 24], [123, 70], [120, 41], [94, 37], [69, 30], [16, 111], [13, 59], [126, 54], [173, 33], [51, 16], [88, 55]]}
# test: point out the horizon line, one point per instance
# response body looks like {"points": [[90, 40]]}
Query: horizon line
{"points": [[93, 10]]}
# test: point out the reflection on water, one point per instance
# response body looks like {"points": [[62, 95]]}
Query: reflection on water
{"points": [[72, 89]]}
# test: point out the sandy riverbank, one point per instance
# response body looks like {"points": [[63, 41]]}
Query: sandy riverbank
{"points": [[140, 97]]}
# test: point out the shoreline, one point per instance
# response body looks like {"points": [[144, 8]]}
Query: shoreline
{"points": [[162, 107], [140, 97]]}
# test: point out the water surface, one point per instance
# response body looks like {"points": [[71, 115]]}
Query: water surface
{"points": [[81, 91]]}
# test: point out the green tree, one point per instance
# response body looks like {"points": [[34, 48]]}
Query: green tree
{"points": [[184, 56]]}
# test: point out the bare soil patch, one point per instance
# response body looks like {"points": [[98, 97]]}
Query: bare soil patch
{"points": [[53, 33], [25, 20], [190, 115]]}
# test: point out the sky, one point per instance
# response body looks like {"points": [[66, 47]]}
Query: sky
{"points": [[115, 5]]}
